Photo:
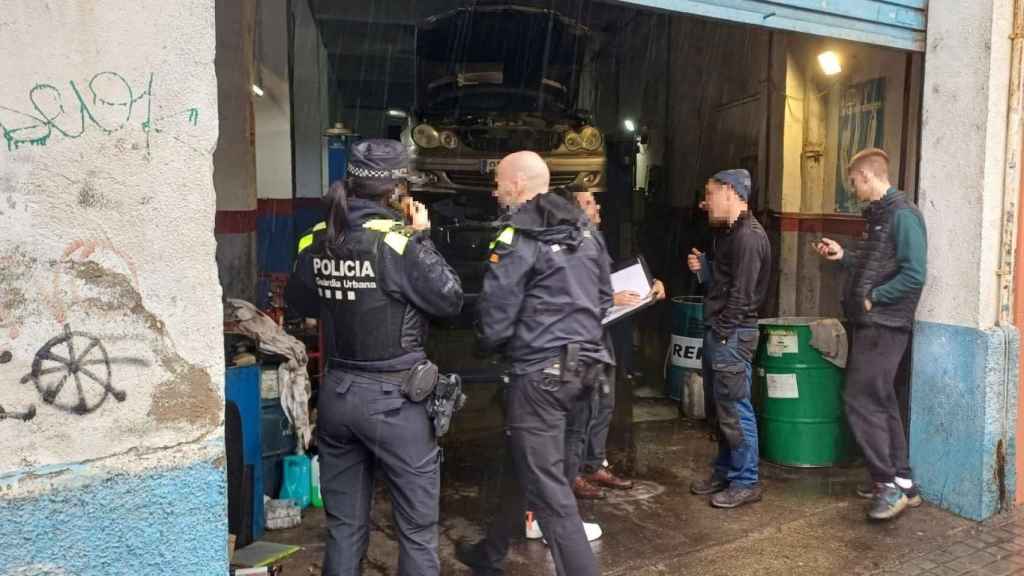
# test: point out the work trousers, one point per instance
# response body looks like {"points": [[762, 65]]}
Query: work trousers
{"points": [[586, 437], [364, 424], [727, 375], [872, 409], [536, 409]]}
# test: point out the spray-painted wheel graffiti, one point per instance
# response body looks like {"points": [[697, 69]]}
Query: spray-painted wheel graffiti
{"points": [[86, 364]]}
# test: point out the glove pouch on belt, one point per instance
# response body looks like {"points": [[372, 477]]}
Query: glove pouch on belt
{"points": [[421, 381]]}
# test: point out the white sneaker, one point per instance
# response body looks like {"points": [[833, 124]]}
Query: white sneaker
{"points": [[591, 529], [532, 528]]}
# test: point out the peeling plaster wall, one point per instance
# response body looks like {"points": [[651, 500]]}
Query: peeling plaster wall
{"points": [[111, 362]]}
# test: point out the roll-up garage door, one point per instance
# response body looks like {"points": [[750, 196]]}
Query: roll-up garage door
{"points": [[893, 23]]}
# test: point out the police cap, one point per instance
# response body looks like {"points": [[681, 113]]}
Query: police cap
{"points": [[378, 159]]}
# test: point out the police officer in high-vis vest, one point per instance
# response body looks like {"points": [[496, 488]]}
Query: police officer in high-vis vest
{"points": [[373, 282]]}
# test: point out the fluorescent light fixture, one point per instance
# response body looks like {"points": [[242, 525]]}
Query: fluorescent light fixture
{"points": [[397, 114], [257, 90], [630, 125], [829, 62]]}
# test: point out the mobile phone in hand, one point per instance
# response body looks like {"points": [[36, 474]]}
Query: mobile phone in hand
{"points": [[817, 244]]}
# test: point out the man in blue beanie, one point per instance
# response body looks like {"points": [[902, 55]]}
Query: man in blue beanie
{"points": [[736, 276]]}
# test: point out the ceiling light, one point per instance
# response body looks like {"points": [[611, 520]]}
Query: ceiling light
{"points": [[257, 90], [630, 125], [829, 62], [397, 114]]}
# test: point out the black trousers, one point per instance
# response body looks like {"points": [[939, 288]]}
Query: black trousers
{"points": [[872, 408], [365, 424], [536, 409]]}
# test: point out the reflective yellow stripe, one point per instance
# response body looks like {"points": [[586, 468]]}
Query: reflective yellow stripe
{"points": [[506, 235], [396, 241], [306, 240], [381, 225]]}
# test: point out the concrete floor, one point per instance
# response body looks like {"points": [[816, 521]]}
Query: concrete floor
{"points": [[810, 522]]}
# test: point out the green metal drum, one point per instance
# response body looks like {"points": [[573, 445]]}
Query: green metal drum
{"points": [[687, 343], [799, 398]]}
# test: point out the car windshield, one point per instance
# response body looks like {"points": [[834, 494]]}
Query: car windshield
{"points": [[466, 65]]}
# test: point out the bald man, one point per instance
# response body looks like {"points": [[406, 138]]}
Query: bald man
{"points": [[544, 295]]}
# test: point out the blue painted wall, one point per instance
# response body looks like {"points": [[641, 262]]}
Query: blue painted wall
{"points": [[169, 522], [963, 417], [275, 243]]}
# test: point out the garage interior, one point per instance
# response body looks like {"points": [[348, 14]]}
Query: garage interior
{"points": [[676, 98]]}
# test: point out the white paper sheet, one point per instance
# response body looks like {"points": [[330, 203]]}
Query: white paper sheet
{"points": [[633, 279]]}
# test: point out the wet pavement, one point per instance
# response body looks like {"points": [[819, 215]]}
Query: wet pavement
{"points": [[809, 523]]}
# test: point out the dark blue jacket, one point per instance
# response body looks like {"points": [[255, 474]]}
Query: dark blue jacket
{"points": [[547, 285], [374, 290]]}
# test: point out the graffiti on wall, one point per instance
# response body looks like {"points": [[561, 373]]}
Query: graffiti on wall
{"points": [[92, 294], [72, 372], [25, 415], [107, 103]]}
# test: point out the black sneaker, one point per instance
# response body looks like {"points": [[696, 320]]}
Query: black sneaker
{"points": [[735, 496], [469, 555], [710, 486], [888, 503], [913, 494]]}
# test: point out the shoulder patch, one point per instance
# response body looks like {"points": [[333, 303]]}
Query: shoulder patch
{"points": [[305, 242], [307, 239], [505, 237], [396, 241]]}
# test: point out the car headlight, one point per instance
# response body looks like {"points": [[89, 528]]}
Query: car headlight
{"points": [[449, 140], [592, 139], [573, 142], [425, 136]]}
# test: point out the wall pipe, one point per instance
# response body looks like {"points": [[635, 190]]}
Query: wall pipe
{"points": [[1011, 298], [1008, 271]]}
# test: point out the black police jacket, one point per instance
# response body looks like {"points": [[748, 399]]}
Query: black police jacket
{"points": [[374, 290], [547, 285]]}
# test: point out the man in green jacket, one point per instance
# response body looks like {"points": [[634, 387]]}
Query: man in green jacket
{"points": [[886, 274]]}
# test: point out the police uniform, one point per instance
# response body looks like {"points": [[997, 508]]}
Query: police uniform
{"points": [[544, 295], [373, 291]]}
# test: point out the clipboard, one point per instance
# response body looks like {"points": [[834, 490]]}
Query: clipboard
{"points": [[631, 274]]}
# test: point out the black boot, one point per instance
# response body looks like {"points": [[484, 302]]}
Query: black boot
{"points": [[469, 555]]}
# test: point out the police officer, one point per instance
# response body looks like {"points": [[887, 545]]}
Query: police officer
{"points": [[544, 294], [403, 204], [373, 282]]}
